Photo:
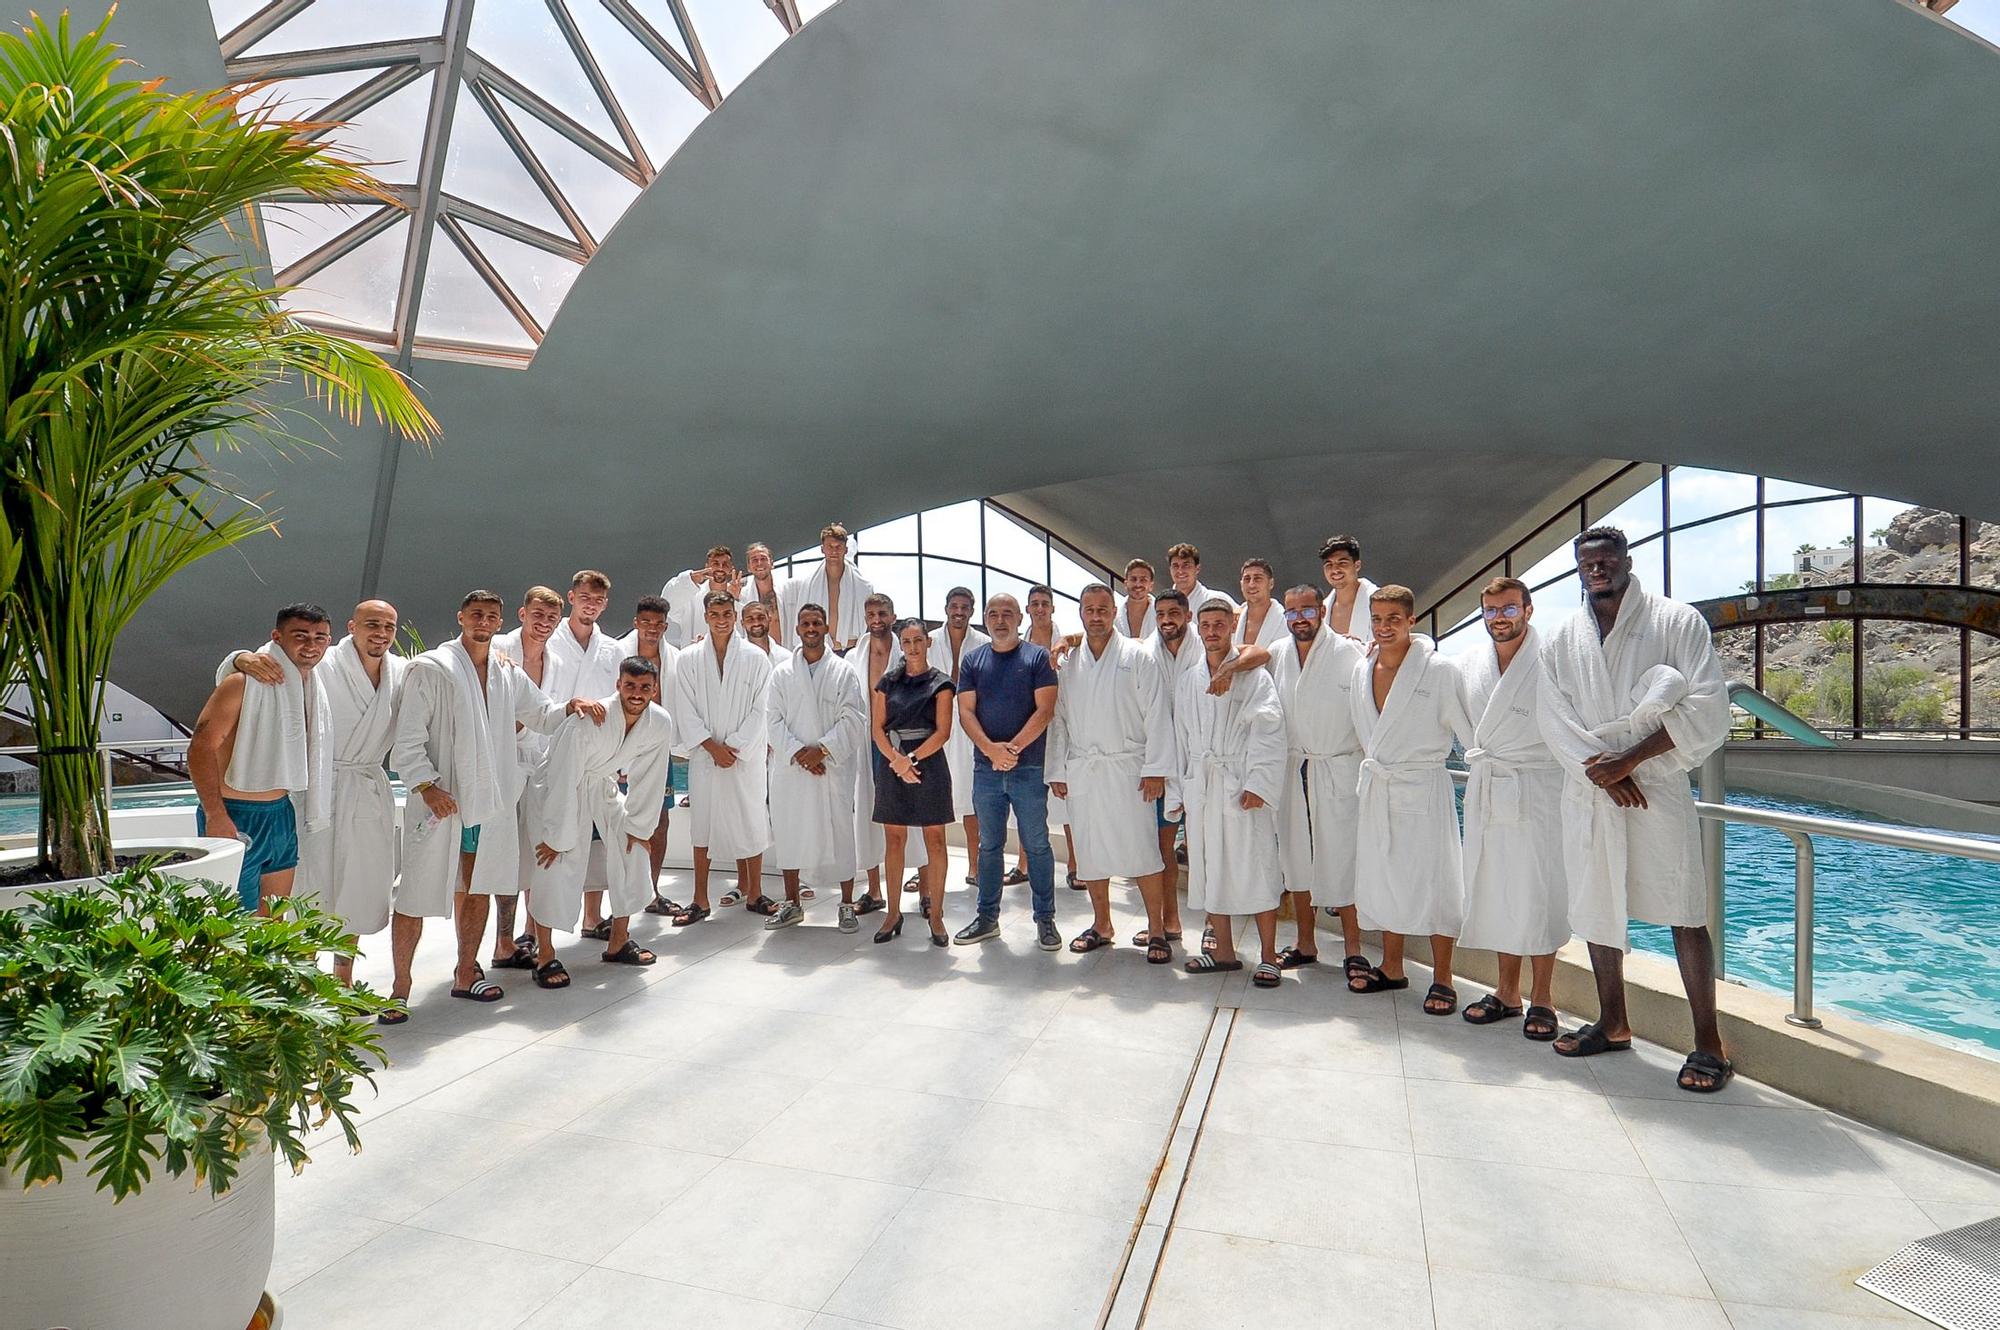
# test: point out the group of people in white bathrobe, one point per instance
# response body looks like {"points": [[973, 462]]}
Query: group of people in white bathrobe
{"points": [[1299, 743]]}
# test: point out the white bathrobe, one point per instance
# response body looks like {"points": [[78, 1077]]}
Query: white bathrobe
{"points": [[1227, 745], [1408, 870], [451, 733], [686, 619], [1112, 728], [1636, 863], [725, 702], [849, 623], [570, 669], [812, 817], [1516, 894], [576, 792], [958, 748], [1357, 627], [1198, 596], [1147, 624], [282, 744], [350, 863], [1271, 634], [1318, 814]]}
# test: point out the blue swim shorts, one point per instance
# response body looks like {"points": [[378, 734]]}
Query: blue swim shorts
{"points": [[272, 828]]}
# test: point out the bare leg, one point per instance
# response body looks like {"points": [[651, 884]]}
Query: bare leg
{"points": [[1225, 937], [1170, 881], [656, 851], [1267, 934], [846, 891], [1350, 930], [750, 877], [791, 876], [701, 877], [503, 926], [971, 824], [473, 907], [273, 886], [875, 882], [593, 908], [1508, 990], [1305, 916], [934, 882], [343, 966], [404, 932], [894, 840], [1392, 955], [1100, 905], [545, 940], [1695, 951], [1607, 966], [1151, 888], [1441, 951]]}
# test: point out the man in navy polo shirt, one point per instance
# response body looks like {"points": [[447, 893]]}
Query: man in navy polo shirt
{"points": [[1006, 698]]}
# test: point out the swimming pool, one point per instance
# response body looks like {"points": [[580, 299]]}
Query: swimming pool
{"points": [[1905, 938], [1902, 937]]}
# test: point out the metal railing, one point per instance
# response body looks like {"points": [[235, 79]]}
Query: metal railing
{"points": [[1800, 828]]}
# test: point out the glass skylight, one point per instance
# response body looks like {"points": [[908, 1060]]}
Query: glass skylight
{"points": [[512, 136]]}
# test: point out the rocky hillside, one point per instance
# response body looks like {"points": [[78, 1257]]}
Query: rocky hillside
{"points": [[1910, 671]]}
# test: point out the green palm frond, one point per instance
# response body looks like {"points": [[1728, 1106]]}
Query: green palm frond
{"points": [[136, 342]]}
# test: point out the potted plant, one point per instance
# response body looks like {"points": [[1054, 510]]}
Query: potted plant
{"points": [[158, 1046], [137, 333]]}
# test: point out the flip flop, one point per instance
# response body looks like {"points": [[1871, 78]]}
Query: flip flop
{"points": [[1291, 958], [629, 954], [1374, 981], [1489, 1010], [1540, 1025], [1718, 1070], [1207, 964], [482, 990], [1590, 1041]]}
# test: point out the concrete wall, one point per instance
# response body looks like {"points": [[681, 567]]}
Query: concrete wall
{"points": [[1913, 780]]}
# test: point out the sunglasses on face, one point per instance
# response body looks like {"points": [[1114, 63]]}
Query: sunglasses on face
{"points": [[1490, 612], [1308, 615]]}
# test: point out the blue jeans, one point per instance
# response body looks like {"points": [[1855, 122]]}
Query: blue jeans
{"points": [[1023, 791]]}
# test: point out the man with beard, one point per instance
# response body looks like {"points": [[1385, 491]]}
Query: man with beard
{"points": [[877, 653], [455, 747], [1516, 897], [819, 726], [687, 592], [761, 587], [1316, 816], [648, 641], [719, 696], [350, 864], [757, 631], [1632, 700]]}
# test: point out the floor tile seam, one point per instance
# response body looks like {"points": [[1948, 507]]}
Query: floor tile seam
{"points": [[581, 1266], [1680, 1230], [862, 1255], [1313, 1140], [1417, 1179], [1226, 1018], [587, 1263], [1627, 1126], [1864, 1317], [1853, 1130]]}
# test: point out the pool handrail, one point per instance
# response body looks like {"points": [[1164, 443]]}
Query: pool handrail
{"points": [[1800, 828]]}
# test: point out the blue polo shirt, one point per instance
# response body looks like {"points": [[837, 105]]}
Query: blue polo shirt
{"points": [[1003, 685]]}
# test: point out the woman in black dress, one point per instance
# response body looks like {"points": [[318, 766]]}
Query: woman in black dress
{"points": [[912, 720]]}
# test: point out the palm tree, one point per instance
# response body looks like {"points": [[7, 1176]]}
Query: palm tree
{"points": [[135, 339]]}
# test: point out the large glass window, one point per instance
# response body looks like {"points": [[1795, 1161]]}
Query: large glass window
{"points": [[1721, 540]]}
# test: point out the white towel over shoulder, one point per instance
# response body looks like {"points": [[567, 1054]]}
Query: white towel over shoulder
{"points": [[281, 742]]}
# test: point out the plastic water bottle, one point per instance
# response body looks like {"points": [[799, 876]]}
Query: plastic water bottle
{"points": [[424, 827]]}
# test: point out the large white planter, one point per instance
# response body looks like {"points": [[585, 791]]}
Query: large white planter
{"points": [[216, 860], [170, 1257]]}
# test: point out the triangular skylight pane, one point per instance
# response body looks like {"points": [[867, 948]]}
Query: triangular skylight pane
{"points": [[812, 9], [294, 230], [348, 22], [459, 306], [658, 104], [736, 35], [540, 280], [599, 194], [358, 290], [660, 18], [304, 98], [481, 168], [389, 135], [523, 39], [229, 14]]}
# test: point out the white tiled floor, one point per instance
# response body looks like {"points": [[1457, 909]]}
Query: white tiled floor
{"points": [[803, 1131]]}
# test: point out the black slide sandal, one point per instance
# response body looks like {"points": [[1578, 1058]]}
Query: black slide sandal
{"points": [[1374, 981], [482, 990], [1489, 1010], [1718, 1070], [629, 954], [1291, 958], [1590, 1041], [1440, 993], [1355, 964], [1541, 1025], [551, 975]]}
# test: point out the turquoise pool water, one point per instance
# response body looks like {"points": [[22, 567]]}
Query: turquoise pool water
{"points": [[1902, 937], [1906, 938]]}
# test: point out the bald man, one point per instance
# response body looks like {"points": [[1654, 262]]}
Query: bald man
{"points": [[351, 863]]}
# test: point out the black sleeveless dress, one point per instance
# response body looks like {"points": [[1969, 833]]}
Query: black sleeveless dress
{"points": [[910, 720]]}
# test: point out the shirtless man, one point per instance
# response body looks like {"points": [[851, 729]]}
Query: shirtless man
{"points": [[246, 789]]}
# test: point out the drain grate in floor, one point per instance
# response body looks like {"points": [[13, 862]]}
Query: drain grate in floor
{"points": [[1952, 1278]]}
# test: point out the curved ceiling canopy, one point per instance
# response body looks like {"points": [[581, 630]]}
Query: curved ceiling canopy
{"points": [[1437, 255], [512, 135]]}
